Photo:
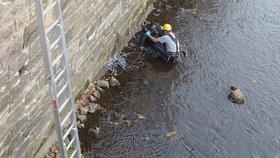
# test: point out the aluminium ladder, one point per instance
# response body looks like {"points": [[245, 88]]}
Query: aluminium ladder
{"points": [[54, 50]]}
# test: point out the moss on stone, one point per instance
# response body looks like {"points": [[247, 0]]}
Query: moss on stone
{"points": [[148, 3], [84, 87]]}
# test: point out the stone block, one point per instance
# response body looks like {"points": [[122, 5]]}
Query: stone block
{"points": [[30, 33], [6, 31], [29, 93], [21, 149], [18, 63], [5, 101], [9, 51], [15, 114]]}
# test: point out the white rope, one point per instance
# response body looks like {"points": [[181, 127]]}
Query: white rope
{"points": [[119, 63]]}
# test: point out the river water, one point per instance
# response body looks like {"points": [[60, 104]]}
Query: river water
{"points": [[230, 42]]}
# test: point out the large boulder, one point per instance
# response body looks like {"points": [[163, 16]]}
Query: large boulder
{"points": [[236, 95]]}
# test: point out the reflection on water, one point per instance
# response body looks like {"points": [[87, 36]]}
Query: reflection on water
{"points": [[234, 42]]}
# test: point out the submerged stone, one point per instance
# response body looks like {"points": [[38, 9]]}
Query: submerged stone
{"points": [[128, 123], [171, 134], [94, 132], [141, 117]]}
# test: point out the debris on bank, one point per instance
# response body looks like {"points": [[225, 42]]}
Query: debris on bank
{"points": [[171, 134]]}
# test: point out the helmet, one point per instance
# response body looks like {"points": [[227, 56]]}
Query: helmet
{"points": [[167, 27]]}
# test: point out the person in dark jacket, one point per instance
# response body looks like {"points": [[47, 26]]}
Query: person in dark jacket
{"points": [[155, 31], [168, 44]]}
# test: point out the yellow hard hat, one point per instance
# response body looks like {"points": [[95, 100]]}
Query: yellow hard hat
{"points": [[167, 27]]}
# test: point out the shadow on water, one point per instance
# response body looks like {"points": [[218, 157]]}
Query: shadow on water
{"points": [[228, 43]]}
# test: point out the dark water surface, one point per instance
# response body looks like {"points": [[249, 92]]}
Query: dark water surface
{"points": [[231, 42]]}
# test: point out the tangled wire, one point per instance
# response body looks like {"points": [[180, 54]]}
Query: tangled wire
{"points": [[120, 63]]}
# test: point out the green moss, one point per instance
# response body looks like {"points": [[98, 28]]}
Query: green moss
{"points": [[40, 146], [80, 93], [136, 12], [51, 128], [148, 3]]}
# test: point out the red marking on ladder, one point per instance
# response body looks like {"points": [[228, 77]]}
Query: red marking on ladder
{"points": [[54, 104]]}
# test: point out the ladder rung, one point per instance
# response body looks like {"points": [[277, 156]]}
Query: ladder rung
{"points": [[68, 131], [55, 42], [70, 143], [52, 26], [57, 59], [64, 104], [66, 118], [73, 154], [62, 90], [57, 78], [49, 7]]}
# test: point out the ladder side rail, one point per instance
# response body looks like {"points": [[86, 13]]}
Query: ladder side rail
{"points": [[45, 44], [73, 119]]}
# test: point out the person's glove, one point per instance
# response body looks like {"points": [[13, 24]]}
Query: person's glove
{"points": [[148, 33]]}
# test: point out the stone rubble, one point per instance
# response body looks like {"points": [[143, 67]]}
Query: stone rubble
{"points": [[114, 82]]}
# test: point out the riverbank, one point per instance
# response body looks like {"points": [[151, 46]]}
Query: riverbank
{"points": [[100, 126]]}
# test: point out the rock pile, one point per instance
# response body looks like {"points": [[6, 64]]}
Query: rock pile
{"points": [[87, 103]]}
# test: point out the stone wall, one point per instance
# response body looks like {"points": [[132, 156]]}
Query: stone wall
{"points": [[91, 26]]}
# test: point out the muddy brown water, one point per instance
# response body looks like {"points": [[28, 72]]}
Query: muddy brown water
{"points": [[233, 42]]}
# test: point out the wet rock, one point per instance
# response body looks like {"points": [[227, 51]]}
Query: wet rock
{"points": [[100, 89], [145, 82], [156, 14], [103, 111], [141, 117], [132, 45], [83, 118], [114, 82], [84, 110], [116, 116], [94, 131], [167, 7], [102, 84], [80, 125], [236, 95], [126, 45], [171, 134], [94, 107], [128, 123], [194, 13], [97, 94], [92, 98]]}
